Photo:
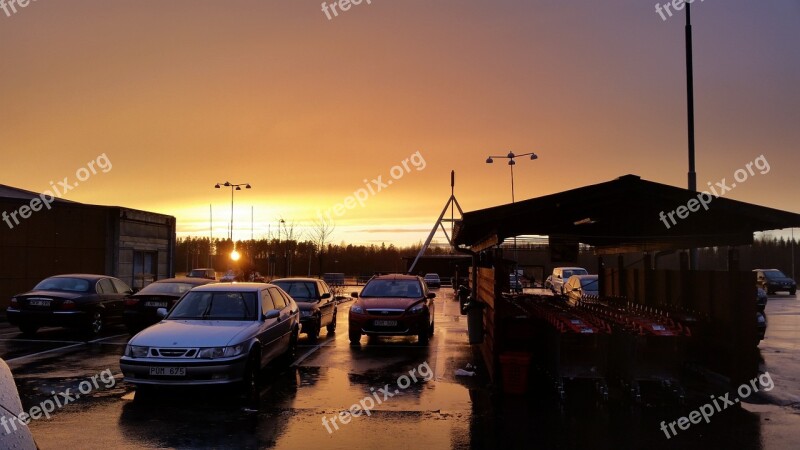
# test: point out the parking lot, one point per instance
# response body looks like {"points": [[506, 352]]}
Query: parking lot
{"points": [[434, 408]]}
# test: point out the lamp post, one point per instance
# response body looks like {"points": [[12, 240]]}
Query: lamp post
{"points": [[511, 157], [234, 187]]}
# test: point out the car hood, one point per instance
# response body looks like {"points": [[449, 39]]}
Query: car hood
{"points": [[195, 333], [388, 302], [55, 294]]}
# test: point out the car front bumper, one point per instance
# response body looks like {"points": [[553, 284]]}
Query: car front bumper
{"points": [[198, 371], [406, 325], [69, 319]]}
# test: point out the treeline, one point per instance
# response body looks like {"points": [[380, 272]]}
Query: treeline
{"points": [[273, 257]]}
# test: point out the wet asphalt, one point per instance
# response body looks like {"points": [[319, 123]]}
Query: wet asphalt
{"points": [[414, 397]]}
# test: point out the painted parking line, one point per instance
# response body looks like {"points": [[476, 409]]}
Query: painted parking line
{"points": [[299, 360], [58, 349]]}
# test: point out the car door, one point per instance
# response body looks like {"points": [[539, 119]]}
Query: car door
{"points": [[107, 297], [268, 333], [284, 326], [325, 304], [123, 291]]}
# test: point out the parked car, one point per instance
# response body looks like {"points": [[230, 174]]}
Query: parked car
{"points": [[229, 277], [393, 305], [761, 299], [773, 280], [15, 435], [316, 303], [256, 277], [561, 275], [140, 308], [215, 334], [578, 287], [209, 274], [333, 279], [433, 280], [83, 301], [548, 283]]}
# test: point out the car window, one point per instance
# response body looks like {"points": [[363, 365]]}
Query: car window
{"points": [[104, 286], [63, 284], [199, 305], [120, 286], [169, 288], [278, 299], [774, 274], [392, 288], [266, 302], [299, 290]]}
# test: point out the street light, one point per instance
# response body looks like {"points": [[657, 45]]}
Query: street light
{"points": [[234, 187], [511, 163]]}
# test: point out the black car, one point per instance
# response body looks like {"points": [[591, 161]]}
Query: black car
{"points": [[84, 301], [140, 308], [316, 303], [773, 280]]}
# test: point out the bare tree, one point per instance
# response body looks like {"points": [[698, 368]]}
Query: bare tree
{"points": [[319, 234]]}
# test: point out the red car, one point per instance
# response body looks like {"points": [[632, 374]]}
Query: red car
{"points": [[393, 305]]}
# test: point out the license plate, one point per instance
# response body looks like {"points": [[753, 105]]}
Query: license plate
{"points": [[168, 371], [156, 304], [385, 323], [39, 302]]}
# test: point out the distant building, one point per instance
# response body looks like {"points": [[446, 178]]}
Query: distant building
{"points": [[38, 240]]}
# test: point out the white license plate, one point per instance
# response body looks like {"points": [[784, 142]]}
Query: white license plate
{"points": [[39, 302], [168, 371], [385, 323], [156, 304]]}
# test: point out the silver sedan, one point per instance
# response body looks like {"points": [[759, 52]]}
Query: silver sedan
{"points": [[216, 334]]}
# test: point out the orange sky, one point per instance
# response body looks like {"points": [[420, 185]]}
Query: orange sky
{"points": [[182, 94]]}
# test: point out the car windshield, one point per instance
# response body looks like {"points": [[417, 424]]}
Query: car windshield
{"points": [[298, 290], [216, 306], [392, 288], [569, 273], [431, 276], [198, 273], [63, 284], [774, 274], [589, 284], [176, 289]]}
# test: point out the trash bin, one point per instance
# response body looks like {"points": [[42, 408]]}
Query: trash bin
{"points": [[514, 367], [475, 321]]}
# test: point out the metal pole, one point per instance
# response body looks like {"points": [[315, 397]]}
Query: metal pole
{"points": [[692, 175], [231, 237]]}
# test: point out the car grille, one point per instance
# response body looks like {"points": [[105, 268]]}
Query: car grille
{"points": [[173, 352], [386, 312]]}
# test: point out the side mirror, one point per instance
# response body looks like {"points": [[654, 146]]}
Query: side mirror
{"points": [[325, 295], [272, 314], [161, 313], [431, 295], [354, 295]]}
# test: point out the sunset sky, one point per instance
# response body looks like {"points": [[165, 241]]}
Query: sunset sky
{"points": [[182, 94]]}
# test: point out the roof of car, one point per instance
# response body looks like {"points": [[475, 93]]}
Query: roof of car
{"points": [[570, 268], [581, 277], [86, 276], [187, 280], [395, 276], [231, 287], [295, 279]]}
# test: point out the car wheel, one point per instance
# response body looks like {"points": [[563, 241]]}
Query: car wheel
{"points": [[424, 336], [28, 329], [313, 333], [331, 327], [291, 352], [355, 338], [250, 382], [433, 323], [96, 324], [793, 291]]}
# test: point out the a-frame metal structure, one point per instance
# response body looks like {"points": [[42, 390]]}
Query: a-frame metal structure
{"points": [[452, 203]]}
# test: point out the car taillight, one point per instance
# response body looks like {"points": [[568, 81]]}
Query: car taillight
{"points": [[131, 301], [68, 304]]}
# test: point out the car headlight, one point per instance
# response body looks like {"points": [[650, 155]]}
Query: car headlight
{"points": [[422, 307], [136, 351], [358, 309], [221, 352], [308, 313]]}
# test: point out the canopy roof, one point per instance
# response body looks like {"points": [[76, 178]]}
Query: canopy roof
{"points": [[622, 215]]}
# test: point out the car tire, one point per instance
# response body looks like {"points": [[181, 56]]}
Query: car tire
{"points": [[313, 333], [144, 393], [331, 327], [96, 324], [793, 291], [432, 327], [29, 330], [250, 386], [291, 352], [355, 338]]}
